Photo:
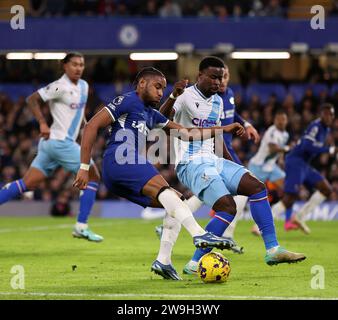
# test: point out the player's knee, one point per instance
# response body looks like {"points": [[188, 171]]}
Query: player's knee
{"points": [[327, 191], [171, 224], [227, 204], [258, 187]]}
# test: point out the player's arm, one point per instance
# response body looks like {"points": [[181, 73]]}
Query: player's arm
{"points": [[226, 153], [249, 128], [193, 134], [167, 107], [275, 148], [101, 120], [34, 102]]}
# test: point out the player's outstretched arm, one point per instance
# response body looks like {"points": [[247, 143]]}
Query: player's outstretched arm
{"points": [[193, 134], [167, 107], [34, 103], [101, 120]]}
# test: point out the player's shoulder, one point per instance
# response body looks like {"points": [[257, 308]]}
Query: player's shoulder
{"points": [[229, 92]]}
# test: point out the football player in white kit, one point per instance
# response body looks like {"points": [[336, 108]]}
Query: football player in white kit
{"points": [[212, 179], [274, 143], [67, 98]]}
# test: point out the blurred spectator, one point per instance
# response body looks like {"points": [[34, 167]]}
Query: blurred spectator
{"points": [[273, 9], [206, 12], [150, 9], [170, 9]]}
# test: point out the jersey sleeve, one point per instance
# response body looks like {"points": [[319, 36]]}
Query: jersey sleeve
{"points": [[179, 103], [238, 119], [119, 106], [272, 137], [310, 141], [159, 120], [52, 91]]}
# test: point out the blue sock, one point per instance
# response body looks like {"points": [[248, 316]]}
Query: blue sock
{"points": [[87, 199], [288, 214], [12, 190], [261, 213], [217, 225]]}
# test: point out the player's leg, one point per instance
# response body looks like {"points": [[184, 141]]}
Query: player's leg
{"points": [[323, 191], [261, 213], [87, 200], [275, 176], [30, 181], [67, 154], [241, 202], [41, 167]]}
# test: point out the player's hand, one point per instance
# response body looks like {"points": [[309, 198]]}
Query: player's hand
{"points": [[252, 133], [81, 179], [234, 128], [44, 130], [179, 87]]}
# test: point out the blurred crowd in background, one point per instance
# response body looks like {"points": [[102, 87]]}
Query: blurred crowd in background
{"points": [[219, 9], [19, 132]]}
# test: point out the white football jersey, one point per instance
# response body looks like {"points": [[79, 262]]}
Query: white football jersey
{"points": [[67, 103], [263, 157], [194, 110]]}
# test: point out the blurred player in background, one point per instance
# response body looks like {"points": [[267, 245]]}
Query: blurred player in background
{"points": [[130, 175], [274, 143], [214, 180], [67, 98], [299, 171]]}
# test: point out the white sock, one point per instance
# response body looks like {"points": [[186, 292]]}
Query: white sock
{"points": [[277, 209], [240, 205], [193, 203], [272, 250], [171, 230], [316, 199], [177, 209], [81, 226]]}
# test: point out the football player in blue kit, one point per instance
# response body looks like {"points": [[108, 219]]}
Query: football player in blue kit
{"points": [[300, 172], [129, 174]]}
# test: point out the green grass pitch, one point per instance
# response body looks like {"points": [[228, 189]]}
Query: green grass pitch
{"points": [[56, 266]]}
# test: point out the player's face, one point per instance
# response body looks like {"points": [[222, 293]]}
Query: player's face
{"points": [[210, 79], [281, 121], [153, 92], [225, 81], [74, 68], [328, 117]]}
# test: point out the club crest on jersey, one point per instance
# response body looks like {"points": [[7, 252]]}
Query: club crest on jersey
{"points": [[141, 127], [118, 100]]}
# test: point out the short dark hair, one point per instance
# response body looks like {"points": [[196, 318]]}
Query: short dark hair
{"points": [[70, 55], [327, 106], [147, 71], [280, 111], [211, 61]]}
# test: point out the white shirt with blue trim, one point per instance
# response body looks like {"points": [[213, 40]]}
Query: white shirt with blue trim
{"points": [[194, 110], [67, 103]]}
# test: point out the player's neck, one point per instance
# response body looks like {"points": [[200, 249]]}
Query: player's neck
{"points": [[74, 81], [206, 94]]}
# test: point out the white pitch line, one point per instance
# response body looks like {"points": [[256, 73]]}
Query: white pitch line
{"points": [[56, 227], [150, 295]]}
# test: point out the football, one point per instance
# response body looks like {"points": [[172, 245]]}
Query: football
{"points": [[213, 267]]}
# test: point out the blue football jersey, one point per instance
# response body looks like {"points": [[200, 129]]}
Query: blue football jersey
{"points": [[312, 143], [132, 121], [230, 114]]}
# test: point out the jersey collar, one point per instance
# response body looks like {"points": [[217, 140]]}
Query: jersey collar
{"points": [[200, 93]]}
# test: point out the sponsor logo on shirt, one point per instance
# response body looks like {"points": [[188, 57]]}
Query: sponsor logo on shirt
{"points": [[203, 122]]}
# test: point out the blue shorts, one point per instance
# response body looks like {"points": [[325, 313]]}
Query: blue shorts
{"points": [[57, 153], [276, 174], [211, 179], [299, 172], [128, 180]]}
